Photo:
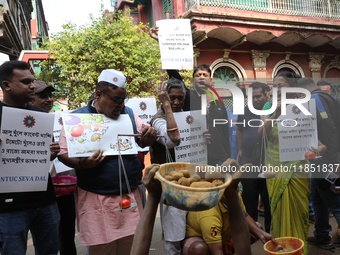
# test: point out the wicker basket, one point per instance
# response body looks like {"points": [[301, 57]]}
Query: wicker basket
{"points": [[189, 198]]}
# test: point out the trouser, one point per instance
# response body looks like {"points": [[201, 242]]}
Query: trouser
{"points": [[121, 246], [43, 222], [252, 188], [311, 197], [172, 248], [67, 225], [325, 200]]}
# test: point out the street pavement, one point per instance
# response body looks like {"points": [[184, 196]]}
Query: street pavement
{"points": [[157, 249]]}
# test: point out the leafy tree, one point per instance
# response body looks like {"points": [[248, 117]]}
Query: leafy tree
{"points": [[79, 54]]}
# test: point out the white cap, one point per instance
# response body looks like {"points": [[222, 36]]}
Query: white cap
{"points": [[112, 76]]}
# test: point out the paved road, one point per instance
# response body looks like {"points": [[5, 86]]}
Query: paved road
{"points": [[156, 245]]}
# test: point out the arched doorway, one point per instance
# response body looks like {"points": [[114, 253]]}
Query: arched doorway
{"points": [[227, 72], [284, 66]]}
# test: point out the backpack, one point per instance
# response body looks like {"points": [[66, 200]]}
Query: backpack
{"points": [[334, 106]]}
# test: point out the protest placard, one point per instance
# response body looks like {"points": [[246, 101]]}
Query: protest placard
{"points": [[175, 43], [145, 108], [297, 132], [25, 150], [87, 133], [58, 124], [193, 147]]}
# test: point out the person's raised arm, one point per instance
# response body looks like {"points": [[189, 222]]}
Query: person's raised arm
{"points": [[238, 223], [171, 125], [143, 236]]}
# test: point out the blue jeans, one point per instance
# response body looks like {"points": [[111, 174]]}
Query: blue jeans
{"points": [[311, 197], [325, 200], [43, 222]]}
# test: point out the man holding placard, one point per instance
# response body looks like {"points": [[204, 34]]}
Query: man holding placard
{"points": [[108, 203], [171, 94], [20, 212], [201, 98]]}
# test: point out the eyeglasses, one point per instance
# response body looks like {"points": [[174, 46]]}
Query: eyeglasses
{"points": [[116, 100]]}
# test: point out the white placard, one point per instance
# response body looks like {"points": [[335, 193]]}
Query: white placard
{"points": [[175, 43], [296, 138], [86, 133], [25, 150], [145, 108], [193, 147], [58, 124]]}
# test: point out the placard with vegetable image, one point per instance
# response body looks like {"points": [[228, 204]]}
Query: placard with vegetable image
{"points": [[87, 133]]}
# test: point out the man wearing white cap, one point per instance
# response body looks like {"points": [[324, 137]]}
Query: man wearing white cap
{"points": [[103, 227]]}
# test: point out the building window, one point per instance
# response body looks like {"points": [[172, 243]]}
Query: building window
{"points": [[231, 73], [225, 75]]}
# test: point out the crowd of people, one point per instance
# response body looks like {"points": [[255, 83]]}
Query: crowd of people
{"points": [[289, 198]]}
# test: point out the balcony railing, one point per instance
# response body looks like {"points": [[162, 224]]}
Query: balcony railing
{"points": [[312, 8]]}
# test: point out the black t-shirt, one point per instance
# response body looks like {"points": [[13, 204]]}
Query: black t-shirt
{"points": [[249, 136], [26, 200], [219, 146]]}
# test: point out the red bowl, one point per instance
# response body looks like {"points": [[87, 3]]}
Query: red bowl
{"points": [[64, 184]]}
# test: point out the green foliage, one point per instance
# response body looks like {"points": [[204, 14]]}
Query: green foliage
{"points": [[187, 77], [79, 54]]}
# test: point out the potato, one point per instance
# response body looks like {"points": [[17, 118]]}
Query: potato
{"points": [[184, 181], [168, 177], [217, 182], [195, 178], [185, 173], [176, 176], [172, 173], [201, 184], [210, 176]]}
